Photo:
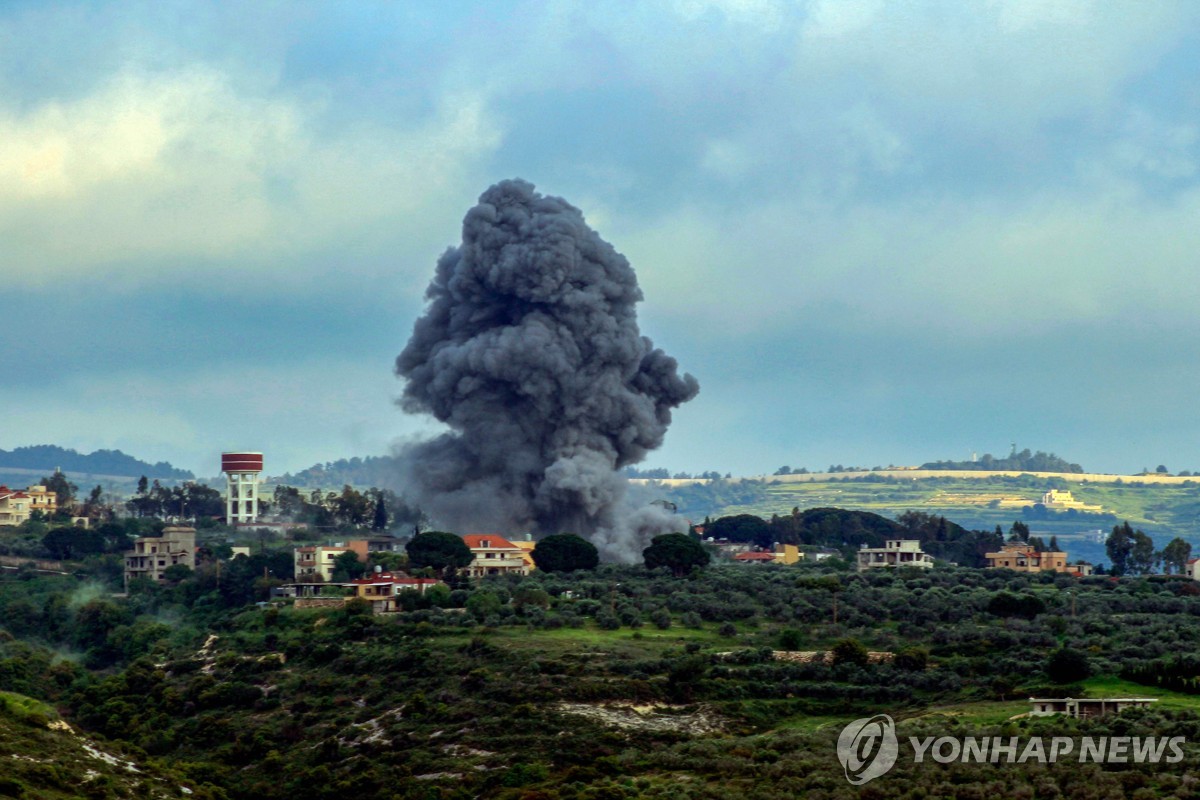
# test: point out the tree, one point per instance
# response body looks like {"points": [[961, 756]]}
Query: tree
{"points": [[438, 550], [1119, 545], [1141, 556], [63, 488], [742, 528], [1068, 666], [849, 651], [70, 542], [351, 506], [565, 552], [346, 567], [1019, 532], [380, 521], [1007, 604], [677, 551], [1176, 555]]}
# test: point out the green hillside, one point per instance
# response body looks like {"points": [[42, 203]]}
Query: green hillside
{"points": [[44, 758], [1162, 509]]}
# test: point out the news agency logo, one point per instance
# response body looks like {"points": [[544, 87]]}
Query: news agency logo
{"points": [[867, 748]]}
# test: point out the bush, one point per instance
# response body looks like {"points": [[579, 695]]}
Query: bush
{"points": [[849, 651], [791, 639], [1068, 666]]}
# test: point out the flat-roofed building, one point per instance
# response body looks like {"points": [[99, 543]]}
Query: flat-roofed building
{"points": [[152, 556], [1086, 706], [894, 553]]}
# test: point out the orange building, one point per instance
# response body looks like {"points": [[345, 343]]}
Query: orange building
{"points": [[1020, 557]]}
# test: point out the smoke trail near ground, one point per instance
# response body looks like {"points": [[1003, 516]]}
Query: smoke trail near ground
{"points": [[530, 352]]}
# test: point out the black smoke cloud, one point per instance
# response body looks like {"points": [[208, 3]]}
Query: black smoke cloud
{"points": [[530, 352]]}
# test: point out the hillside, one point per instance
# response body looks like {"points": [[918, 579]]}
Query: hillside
{"points": [[45, 458], [43, 757], [1163, 506], [617, 683]]}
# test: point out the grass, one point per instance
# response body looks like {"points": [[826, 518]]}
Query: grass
{"points": [[1110, 686], [26, 709]]}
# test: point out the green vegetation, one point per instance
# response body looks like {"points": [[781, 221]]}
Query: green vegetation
{"points": [[565, 552], [617, 682], [1163, 511]]}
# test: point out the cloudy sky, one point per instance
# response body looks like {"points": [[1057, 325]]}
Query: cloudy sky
{"points": [[876, 232]]}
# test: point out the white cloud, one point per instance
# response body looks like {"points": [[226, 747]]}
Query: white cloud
{"points": [[837, 18], [154, 170]]}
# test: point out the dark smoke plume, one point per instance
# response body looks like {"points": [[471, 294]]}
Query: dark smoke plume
{"points": [[530, 352]]}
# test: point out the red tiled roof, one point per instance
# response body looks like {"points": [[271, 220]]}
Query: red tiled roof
{"points": [[754, 557], [475, 541]]}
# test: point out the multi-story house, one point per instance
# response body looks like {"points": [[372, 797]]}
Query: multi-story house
{"points": [[151, 556], [17, 505], [1020, 557], [494, 555], [894, 553], [317, 563]]}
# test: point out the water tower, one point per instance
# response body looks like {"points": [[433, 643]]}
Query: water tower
{"points": [[241, 496]]}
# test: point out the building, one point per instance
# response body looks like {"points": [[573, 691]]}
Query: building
{"points": [[494, 555], [727, 549], [1193, 568], [781, 554], [152, 556], [382, 588], [1059, 499], [383, 543], [527, 546], [316, 563], [241, 491], [894, 553], [1086, 706], [1020, 557], [17, 505]]}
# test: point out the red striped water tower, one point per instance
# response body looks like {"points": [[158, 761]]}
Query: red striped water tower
{"points": [[241, 497]]}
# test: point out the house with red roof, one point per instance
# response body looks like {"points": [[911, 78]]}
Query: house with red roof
{"points": [[381, 588], [494, 555], [17, 505]]}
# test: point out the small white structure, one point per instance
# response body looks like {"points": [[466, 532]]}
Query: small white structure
{"points": [[241, 493], [1086, 706], [894, 553]]}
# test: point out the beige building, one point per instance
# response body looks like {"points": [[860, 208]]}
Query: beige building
{"points": [[316, 563], [1020, 557], [1060, 499], [494, 555], [781, 554], [894, 553], [153, 555], [17, 505]]}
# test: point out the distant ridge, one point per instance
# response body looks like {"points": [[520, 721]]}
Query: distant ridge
{"points": [[370, 471], [48, 457], [1023, 461]]}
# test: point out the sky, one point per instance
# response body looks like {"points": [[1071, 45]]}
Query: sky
{"points": [[876, 232]]}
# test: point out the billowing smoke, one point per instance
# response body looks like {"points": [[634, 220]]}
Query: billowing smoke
{"points": [[530, 352]]}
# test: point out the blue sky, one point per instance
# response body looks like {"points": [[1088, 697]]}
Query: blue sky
{"points": [[875, 232]]}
